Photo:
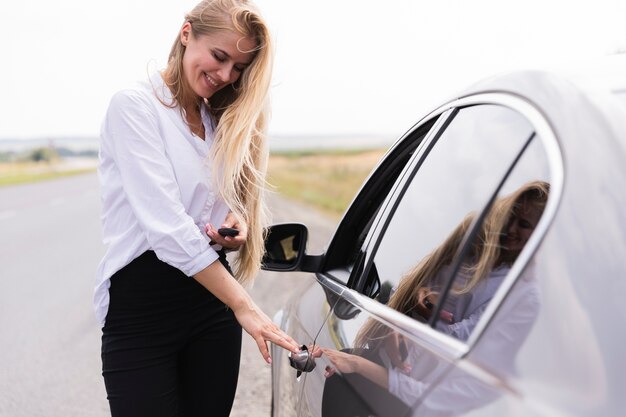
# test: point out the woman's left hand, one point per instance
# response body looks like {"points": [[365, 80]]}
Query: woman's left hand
{"points": [[348, 363], [228, 242], [342, 361]]}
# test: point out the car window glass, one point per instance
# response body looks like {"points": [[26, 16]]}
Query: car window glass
{"points": [[345, 248], [458, 175], [365, 367], [493, 244], [418, 252]]}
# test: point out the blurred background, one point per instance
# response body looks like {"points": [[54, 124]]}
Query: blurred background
{"points": [[356, 68], [350, 78]]}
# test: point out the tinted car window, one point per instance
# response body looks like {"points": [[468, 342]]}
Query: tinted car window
{"points": [[458, 176], [345, 247], [463, 219], [493, 240], [473, 176]]}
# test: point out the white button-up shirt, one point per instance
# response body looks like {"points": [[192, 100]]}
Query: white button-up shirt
{"points": [[155, 179]]}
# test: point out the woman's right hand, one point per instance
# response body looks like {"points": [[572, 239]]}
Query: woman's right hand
{"points": [[228, 242], [426, 300], [262, 329], [223, 285]]}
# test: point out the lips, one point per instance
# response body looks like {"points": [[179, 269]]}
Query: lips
{"points": [[211, 82]]}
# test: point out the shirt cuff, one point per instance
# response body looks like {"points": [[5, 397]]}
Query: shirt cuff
{"points": [[393, 381], [200, 262]]}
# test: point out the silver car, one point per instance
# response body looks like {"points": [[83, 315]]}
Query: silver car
{"points": [[480, 270]]}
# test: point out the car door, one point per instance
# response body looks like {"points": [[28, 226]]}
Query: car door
{"points": [[374, 360], [305, 315]]}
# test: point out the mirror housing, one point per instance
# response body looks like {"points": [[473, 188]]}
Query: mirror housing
{"points": [[285, 249]]}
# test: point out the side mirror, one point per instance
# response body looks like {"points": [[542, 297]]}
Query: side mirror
{"points": [[285, 247]]}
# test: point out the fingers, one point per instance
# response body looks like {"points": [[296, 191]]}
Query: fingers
{"points": [[231, 221], [262, 345], [426, 300], [426, 293], [341, 361], [422, 293], [333, 355], [228, 242], [277, 337], [315, 351], [263, 330], [282, 339]]}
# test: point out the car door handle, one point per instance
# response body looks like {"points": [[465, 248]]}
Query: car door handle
{"points": [[302, 361]]}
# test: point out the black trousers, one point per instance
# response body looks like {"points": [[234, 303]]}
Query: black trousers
{"points": [[169, 346]]}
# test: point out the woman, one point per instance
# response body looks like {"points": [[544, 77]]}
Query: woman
{"points": [[501, 237], [181, 154], [386, 359]]}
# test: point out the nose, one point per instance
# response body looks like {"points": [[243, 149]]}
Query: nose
{"points": [[225, 73], [512, 227]]}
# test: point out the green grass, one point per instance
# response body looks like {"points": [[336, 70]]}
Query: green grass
{"points": [[327, 180], [14, 173]]}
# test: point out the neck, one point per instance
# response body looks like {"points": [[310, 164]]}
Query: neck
{"points": [[194, 120]]}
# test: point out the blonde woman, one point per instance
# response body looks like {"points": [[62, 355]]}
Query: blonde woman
{"points": [[502, 235], [384, 358], [182, 154]]}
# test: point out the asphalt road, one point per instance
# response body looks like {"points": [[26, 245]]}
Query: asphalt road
{"points": [[49, 340]]}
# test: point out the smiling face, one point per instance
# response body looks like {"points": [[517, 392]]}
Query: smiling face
{"points": [[214, 61], [521, 225]]}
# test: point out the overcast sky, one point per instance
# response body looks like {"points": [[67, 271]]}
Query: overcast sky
{"points": [[342, 66]]}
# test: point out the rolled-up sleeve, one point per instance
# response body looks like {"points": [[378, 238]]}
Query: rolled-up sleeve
{"points": [[131, 129], [405, 387], [463, 329]]}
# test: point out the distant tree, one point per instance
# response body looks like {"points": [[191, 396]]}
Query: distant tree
{"points": [[43, 155]]}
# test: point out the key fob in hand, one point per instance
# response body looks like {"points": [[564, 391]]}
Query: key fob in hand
{"points": [[227, 231]]}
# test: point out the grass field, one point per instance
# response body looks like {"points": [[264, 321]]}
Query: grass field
{"points": [[326, 180], [13, 173]]}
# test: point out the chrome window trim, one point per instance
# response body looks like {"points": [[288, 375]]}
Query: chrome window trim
{"points": [[427, 337], [399, 180], [445, 115], [554, 158], [438, 343]]}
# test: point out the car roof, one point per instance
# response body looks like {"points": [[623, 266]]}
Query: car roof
{"points": [[592, 93]]}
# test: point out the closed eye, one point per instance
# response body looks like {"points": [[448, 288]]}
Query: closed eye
{"points": [[219, 57], [524, 224]]}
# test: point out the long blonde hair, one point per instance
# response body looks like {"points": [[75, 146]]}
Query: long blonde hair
{"points": [[486, 252], [241, 113]]}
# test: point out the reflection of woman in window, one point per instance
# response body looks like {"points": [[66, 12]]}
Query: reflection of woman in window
{"points": [[503, 234]]}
